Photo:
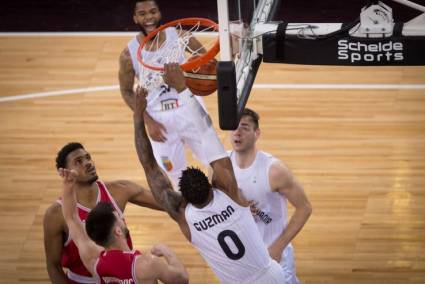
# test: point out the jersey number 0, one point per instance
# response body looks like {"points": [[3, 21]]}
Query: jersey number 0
{"points": [[239, 245]]}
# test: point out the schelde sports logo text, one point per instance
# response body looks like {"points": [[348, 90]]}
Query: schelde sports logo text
{"points": [[370, 52]]}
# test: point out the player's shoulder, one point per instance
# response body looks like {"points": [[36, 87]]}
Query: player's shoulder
{"points": [[120, 184], [54, 209], [54, 215]]}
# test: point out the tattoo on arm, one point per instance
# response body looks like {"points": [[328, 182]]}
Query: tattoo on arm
{"points": [[126, 78], [159, 183]]}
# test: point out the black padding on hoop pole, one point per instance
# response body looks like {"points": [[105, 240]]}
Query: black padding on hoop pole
{"points": [[227, 95], [398, 29], [280, 40]]}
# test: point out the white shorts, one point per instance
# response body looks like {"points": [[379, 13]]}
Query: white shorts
{"points": [[272, 274], [288, 265], [170, 154]]}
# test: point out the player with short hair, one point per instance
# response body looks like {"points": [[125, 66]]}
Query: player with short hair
{"points": [[269, 184], [60, 249], [216, 219], [103, 246], [165, 114]]}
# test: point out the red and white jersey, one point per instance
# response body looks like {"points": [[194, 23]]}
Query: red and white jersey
{"points": [[70, 258], [116, 267]]}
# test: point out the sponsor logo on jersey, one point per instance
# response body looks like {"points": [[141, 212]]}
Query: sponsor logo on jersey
{"points": [[167, 163], [169, 104], [355, 51]]}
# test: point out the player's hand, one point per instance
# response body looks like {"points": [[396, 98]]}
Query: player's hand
{"points": [[174, 77], [140, 101], [69, 177], [275, 252], [160, 250], [156, 130], [253, 207]]}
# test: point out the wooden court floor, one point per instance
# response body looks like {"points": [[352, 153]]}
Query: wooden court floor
{"points": [[360, 154]]}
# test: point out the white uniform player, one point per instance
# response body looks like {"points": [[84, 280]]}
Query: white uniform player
{"points": [[268, 184], [166, 106], [271, 218], [166, 119], [217, 220], [226, 236]]}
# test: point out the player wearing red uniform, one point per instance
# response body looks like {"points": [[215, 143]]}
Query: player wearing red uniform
{"points": [[60, 249], [103, 246]]}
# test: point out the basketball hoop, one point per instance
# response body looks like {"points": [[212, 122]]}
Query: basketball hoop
{"points": [[153, 54]]}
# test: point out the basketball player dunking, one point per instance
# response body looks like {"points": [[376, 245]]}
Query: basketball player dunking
{"points": [[216, 220], [165, 115]]}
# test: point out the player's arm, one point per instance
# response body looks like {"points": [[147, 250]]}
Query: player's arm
{"points": [[158, 181], [126, 77], [282, 181], [196, 45], [89, 251], [151, 267], [53, 243], [126, 74], [135, 194]]}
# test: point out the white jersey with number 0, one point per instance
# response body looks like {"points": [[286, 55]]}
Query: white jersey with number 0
{"points": [[226, 236]]}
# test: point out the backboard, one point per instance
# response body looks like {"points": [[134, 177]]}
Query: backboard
{"points": [[240, 53]]}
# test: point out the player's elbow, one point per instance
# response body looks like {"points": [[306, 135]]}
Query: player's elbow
{"points": [[308, 209]]}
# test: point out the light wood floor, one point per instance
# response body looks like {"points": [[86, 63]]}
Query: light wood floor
{"points": [[360, 155]]}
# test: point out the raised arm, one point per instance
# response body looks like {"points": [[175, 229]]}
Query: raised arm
{"points": [[88, 250], [282, 181], [126, 74], [158, 181], [126, 78]]}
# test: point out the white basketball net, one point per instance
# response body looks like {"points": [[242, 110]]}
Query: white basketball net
{"points": [[177, 50]]}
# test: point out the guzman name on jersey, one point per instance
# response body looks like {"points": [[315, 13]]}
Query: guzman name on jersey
{"points": [[215, 219]]}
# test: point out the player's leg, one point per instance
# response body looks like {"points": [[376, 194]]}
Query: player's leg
{"points": [[169, 154]]}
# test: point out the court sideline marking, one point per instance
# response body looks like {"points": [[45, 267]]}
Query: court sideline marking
{"points": [[256, 86]]}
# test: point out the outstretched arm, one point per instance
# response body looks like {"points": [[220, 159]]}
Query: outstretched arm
{"points": [[158, 181], [88, 250]]}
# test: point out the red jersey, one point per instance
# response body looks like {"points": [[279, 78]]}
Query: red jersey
{"points": [[77, 273], [117, 267]]}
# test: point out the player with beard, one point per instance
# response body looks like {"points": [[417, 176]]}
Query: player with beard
{"points": [[60, 249], [103, 243], [165, 117]]}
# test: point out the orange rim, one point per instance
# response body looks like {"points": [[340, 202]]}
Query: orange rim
{"points": [[192, 64]]}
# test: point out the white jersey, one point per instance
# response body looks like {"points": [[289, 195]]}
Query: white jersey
{"points": [[254, 182], [161, 98], [271, 220], [226, 236]]}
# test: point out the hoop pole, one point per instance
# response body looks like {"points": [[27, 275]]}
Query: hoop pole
{"points": [[411, 5], [224, 33]]}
